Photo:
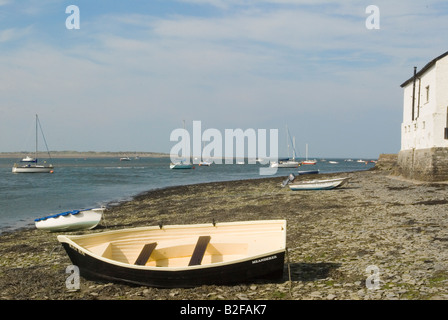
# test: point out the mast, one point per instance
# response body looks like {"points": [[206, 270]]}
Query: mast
{"points": [[294, 149], [35, 152], [185, 145]]}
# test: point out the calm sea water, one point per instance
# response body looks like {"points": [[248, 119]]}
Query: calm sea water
{"points": [[85, 183]]}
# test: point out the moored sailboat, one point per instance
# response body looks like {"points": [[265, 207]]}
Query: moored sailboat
{"points": [[287, 162], [307, 161], [184, 163], [31, 165]]}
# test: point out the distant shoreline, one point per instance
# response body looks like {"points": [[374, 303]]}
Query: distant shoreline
{"points": [[87, 154]]}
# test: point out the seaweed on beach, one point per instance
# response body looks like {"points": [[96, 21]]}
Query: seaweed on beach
{"points": [[432, 202]]}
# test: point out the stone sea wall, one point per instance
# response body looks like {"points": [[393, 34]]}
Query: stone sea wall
{"points": [[424, 164]]}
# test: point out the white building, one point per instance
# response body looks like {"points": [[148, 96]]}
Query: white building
{"points": [[425, 107], [424, 131]]}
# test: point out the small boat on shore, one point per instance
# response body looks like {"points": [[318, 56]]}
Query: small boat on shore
{"points": [[182, 255], [302, 172], [318, 184], [71, 220]]}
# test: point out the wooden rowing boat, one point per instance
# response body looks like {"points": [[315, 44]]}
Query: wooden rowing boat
{"points": [[182, 255]]}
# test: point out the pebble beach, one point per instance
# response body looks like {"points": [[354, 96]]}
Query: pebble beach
{"points": [[380, 237]]}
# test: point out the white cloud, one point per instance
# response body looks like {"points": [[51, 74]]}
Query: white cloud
{"points": [[13, 34]]}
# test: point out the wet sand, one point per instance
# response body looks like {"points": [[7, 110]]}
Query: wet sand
{"points": [[333, 236]]}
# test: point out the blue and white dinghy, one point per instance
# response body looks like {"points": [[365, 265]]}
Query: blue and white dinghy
{"points": [[71, 220]]}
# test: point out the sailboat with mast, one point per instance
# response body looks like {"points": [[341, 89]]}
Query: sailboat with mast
{"points": [[32, 165], [308, 161], [288, 162], [184, 163]]}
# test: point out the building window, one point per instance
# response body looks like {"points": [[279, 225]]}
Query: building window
{"points": [[446, 128], [427, 94]]}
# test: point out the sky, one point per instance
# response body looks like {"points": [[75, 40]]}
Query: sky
{"points": [[135, 70]]}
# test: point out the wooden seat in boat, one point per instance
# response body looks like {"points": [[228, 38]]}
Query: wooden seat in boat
{"points": [[199, 250], [145, 253]]}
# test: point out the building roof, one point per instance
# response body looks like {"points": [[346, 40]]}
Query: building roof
{"points": [[425, 68]]}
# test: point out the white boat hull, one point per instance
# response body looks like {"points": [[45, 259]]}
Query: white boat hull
{"points": [[309, 162], [287, 164], [181, 166], [33, 169], [71, 220], [318, 184]]}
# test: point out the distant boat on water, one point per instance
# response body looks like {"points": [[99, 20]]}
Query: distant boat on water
{"points": [[285, 163], [183, 164], [288, 162], [31, 165], [307, 161], [205, 163]]}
